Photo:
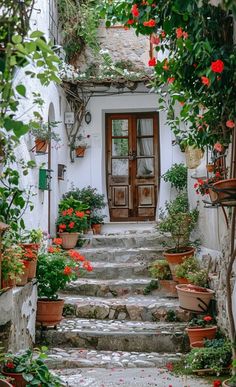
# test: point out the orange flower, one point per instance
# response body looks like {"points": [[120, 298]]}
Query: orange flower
{"points": [[218, 147], [205, 81], [30, 254], [76, 256], [207, 318], [179, 32], [67, 270], [149, 23], [87, 266], [170, 80], [51, 249], [62, 226], [57, 241], [79, 214], [71, 224], [64, 213]]}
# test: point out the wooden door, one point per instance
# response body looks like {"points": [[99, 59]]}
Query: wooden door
{"points": [[132, 165]]}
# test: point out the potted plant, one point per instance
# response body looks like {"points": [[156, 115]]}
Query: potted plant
{"points": [[179, 221], [12, 266], [30, 244], [81, 145], [4, 382], [71, 222], [190, 271], [194, 298], [43, 134], [96, 221], [177, 176], [29, 368], [231, 382], [160, 270], [200, 328], [88, 196], [55, 269]]}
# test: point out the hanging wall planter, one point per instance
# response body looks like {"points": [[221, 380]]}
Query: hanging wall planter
{"points": [[80, 151], [41, 146]]}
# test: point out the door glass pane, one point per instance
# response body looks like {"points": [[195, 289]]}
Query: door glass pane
{"points": [[120, 167], [120, 127], [145, 146], [145, 167], [145, 127], [120, 147]]}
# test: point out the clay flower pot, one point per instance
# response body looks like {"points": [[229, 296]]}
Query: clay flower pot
{"points": [[69, 239], [5, 383], [8, 283], [197, 344], [224, 383], [19, 381], [198, 334], [96, 228], [41, 146], [194, 298], [32, 269], [227, 197], [168, 287], [49, 312], [80, 151], [23, 279], [175, 259]]}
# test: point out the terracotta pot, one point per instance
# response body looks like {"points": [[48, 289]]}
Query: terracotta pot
{"points": [[197, 344], [32, 269], [210, 167], [8, 283], [80, 151], [19, 381], [224, 383], [49, 313], [198, 334], [5, 383], [168, 287], [96, 228], [182, 280], [175, 259], [41, 146], [226, 198], [194, 298], [32, 246], [69, 239], [23, 279]]}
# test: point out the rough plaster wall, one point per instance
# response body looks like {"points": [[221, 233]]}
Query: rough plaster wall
{"points": [[17, 317]]}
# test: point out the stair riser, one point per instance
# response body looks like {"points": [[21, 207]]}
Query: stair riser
{"points": [[117, 342], [118, 256], [123, 312], [107, 291], [117, 273], [128, 242]]}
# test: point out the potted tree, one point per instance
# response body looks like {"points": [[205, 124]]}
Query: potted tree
{"points": [[55, 269], [71, 222], [43, 133], [160, 270], [179, 221]]}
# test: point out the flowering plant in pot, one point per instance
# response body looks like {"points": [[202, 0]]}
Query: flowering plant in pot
{"points": [[71, 221], [200, 328], [43, 134], [28, 368], [160, 270], [190, 271], [179, 221], [12, 265], [55, 269], [30, 243]]}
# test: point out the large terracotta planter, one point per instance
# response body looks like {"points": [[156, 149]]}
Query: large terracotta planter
{"points": [[5, 383], [41, 146], [197, 344], [194, 298], [8, 283], [49, 313], [175, 259], [228, 196], [32, 269], [19, 381], [198, 334], [96, 228], [168, 287], [69, 239]]}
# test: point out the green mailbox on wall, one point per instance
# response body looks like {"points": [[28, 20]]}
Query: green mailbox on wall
{"points": [[45, 179]]}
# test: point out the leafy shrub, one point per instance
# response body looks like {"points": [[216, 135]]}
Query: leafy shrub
{"points": [[160, 269], [177, 176], [88, 196], [191, 270]]}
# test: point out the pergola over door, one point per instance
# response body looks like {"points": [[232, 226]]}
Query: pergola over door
{"points": [[132, 165]]}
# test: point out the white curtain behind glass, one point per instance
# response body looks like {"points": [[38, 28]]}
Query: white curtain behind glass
{"points": [[145, 146]]}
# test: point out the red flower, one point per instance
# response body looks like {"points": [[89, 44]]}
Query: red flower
{"points": [[163, 34], [57, 241], [64, 213], [155, 39], [51, 249], [179, 32], [169, 366], [206, 81], [207, 318], [170, 80], [130, 22], [10, 365], [79, 214], [67, 270], [62, 226], [217, 66], [135, 11], [152, 62], [76, 256], [149, 23], [217, 383], [185, 35], [87, 266], [71, 224], [218, 147], [230, 124], [87, 212]]}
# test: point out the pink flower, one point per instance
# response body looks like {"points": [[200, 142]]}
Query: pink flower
{"points": [[205, 81], [170, 79], [230, 124], [155, 39], [135, 11], [218, 147], [152, 62]]}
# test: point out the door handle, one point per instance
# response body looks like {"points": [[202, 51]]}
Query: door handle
{"points": [[132, 155]]}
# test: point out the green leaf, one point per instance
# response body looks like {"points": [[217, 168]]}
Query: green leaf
{"points": [[36, 34], [21, 90], [16, 39]]}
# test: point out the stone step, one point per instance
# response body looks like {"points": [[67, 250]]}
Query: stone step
{"points": [[116, 335], [111, 270], [143, 239], [120, 255], [127, 227], [110, 288], [134, 308], [60, 358]]}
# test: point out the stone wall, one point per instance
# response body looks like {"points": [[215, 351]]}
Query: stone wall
{"points": [[17, 317]]}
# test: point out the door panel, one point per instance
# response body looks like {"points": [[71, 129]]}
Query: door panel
{"points": [[132, 165]]}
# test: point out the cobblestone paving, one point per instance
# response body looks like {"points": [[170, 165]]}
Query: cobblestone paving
{"points": [[128, 378]]}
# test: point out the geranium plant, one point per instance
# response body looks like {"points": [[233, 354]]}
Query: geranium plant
{"points": [[72, 216], [56, 268], [202, 186], [202, 321]]}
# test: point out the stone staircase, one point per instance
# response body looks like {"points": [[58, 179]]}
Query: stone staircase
{"points": [[109, 322]]}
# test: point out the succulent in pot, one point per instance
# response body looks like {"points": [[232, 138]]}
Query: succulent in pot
{"points": [[55, 269]]}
